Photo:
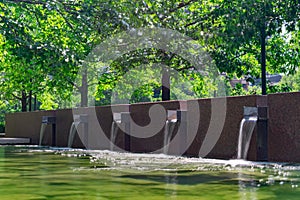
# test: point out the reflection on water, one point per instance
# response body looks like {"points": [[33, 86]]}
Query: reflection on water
{"points": [[43, 173], [247, 187]]}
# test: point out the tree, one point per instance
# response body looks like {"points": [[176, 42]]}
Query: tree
{"points": [[45, 42], [29, 55], [245, 38], [54, 37], [242, 30]]}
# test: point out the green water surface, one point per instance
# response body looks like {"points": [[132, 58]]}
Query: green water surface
{"points": [[41, 173]]}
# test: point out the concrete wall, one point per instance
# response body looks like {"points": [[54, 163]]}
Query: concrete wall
{"points": [[284, 127], [140, 113], [99, 127], [28, 125], [224, 146], [211, 128]]}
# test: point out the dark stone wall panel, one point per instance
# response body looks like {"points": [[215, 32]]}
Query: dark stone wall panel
{"points": [[284, 127]]}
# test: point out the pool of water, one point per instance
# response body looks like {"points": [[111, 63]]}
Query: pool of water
{"points": [[30, 172]]}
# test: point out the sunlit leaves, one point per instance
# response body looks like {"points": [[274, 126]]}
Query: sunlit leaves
{"points": [[44, 43]]}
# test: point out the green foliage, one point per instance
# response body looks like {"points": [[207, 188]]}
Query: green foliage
{"points": [[43, 44], [45, 39], [6, 107], [238, 90], [292, 82], [2, 112], [239, 26], [278, 88], [47, 102]]}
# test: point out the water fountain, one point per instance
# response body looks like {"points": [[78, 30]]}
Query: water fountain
{"points": [[246, 129], [114, 129], [172, 119], [45, 121], [78, 119], [121, 119]]}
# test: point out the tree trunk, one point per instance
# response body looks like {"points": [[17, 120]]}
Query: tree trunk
{"points": [[84, 89], [165, 84], [35, 103], [30, 101], [24, 101], [263, 57]]}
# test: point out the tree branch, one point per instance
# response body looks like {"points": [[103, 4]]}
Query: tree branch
{"points": [[28, 2], [66, 20], [192, 23], [41, 2], [19, 98], [181, 5], [186, 68]]}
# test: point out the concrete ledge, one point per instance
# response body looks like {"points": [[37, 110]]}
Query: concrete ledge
{"points": [[204, 118], [2, 134], [14, 140]]}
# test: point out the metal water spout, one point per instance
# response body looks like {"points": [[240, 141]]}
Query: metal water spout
{"points": [[171, 121], [114, 129], [78, 119], [45, 121], [120, 119], [247, 126]]}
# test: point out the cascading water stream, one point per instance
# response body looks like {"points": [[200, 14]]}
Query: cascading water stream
{"points": [[45, 121], [245, 133], [169, 129], [42, 132], [116, 122], [72, 133], [168, 132], [113, 134], [83, 133]]}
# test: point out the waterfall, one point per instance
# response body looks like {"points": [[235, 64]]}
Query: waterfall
{"points": [[168, 132], [246, 129], [42, 132], [113, 134], [78, 119], [45, 121], [72, 132], [116, 122]]}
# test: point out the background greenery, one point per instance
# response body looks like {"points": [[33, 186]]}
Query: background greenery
{"points": [[43, 44]]}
